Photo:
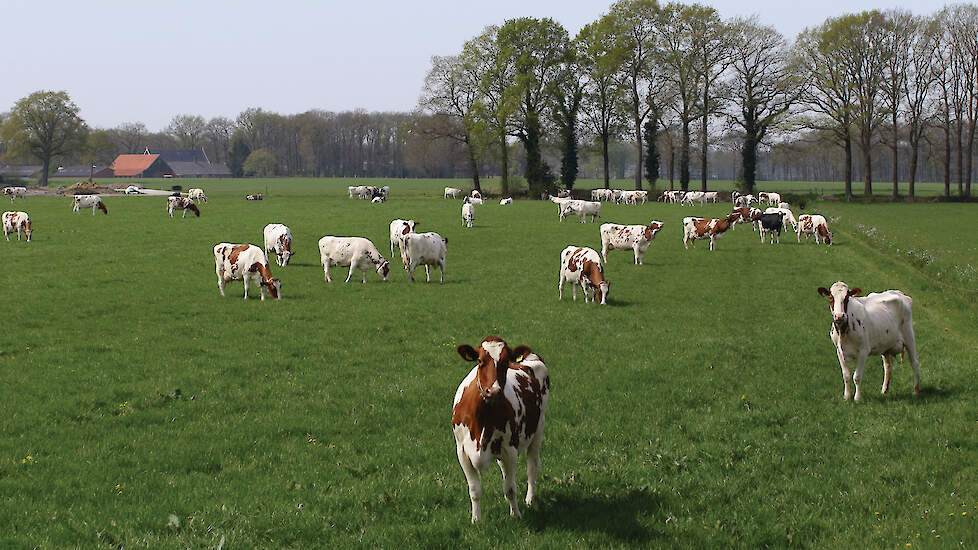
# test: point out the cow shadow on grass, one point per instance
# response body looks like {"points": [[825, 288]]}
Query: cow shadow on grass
{"points": [[625, 516], [927, 394]]}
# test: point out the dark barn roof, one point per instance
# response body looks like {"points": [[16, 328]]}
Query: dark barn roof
{"points": [[198, 169], [79, 171], [179, 155], [20, 171]]}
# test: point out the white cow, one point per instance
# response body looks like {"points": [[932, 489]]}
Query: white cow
{"points": [[628, 237], [880, 323], [507, 200], [133, 190], [15, 192], [247, 263], [789, 218], [691, 196], [582, 265], [773, 198], [278, 241], [468, 214], [425, 249], [197, 194], [400, 228], [181, 203], [16, 221], [84, 201], [452, 192], [498, 412], [813, 224], [476, 194], [379, 199], [711, 196], [582, 209], [355, 252]]}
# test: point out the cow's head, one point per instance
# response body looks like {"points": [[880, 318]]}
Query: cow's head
{"points": [[409, 227], [494, 358], [652, 229], [838, 297], [193, 207], [274, 287], [101, 206], [383, 269], [28, 230], [601, 294]]}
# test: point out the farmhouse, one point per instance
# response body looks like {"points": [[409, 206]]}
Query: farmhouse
{"points": [[138, 166], [178, 163]]}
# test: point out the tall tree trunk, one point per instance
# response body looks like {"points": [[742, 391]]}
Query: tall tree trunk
{"points": [[969, 158], [45, 170], [959, 157], [604, 159], [703, 135], [503, 163], [914, 151], [749, 153], [684, 158], [672, 166], [867, 168], [473, 165], [638, 149], [896, 161], [848, 168], [947, 158]]}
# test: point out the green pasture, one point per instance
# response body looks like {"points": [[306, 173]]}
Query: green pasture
{"points": [[701, 409]]}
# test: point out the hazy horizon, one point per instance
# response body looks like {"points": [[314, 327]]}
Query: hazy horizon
{"points": [[123, 62]]}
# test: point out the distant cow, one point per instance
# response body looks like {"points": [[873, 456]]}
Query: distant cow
{"points": [[628, 237], [181, 203], [425, 249], [694, 196], [84, 201], [468, 214], [582, 209], [499, 411], [880, 323], [452, 192], [255, 197], [133, 190], [582, 265], [789, 217], [16, 222], [813, 224], [355, 252], [773, 198], [197, 195], [278, 241], [711, 196], [706, 228], [356, 190], [15, 192], [771, 224], [507, 200], [400, 228], [378, 199], [245, 262], [476, 194]]}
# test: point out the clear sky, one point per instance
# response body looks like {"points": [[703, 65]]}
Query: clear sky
{"points": [[137, 61]]}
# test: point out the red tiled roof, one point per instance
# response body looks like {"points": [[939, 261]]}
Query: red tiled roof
{"points": [[132, 165]]}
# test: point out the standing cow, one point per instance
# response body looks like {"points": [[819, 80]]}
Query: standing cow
{"points": [[628, 237], [399, 229], [15, 192], [355, 252], [582, 265], [245, 262], [94, 201], [197, 195], [278, 241], [498, 412], [16, 222], [425, 249], [468, 213], [181, 203], [706, 228]]}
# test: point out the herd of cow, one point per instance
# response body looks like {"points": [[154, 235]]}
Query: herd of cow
{"points": [[499, 407]]}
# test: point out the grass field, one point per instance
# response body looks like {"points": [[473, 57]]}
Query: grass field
{"points": [[702, 408]]}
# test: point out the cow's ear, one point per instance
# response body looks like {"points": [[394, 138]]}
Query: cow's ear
{"points": [[855, 292], [467, 352], [521, 352], [824, 292]]}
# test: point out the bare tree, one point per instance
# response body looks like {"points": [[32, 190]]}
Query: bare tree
{"points": [[866, 35], [218, 134], [599, 61], [944, 69], [897, 44], [712, 39], [188, 130], [917, 83]]}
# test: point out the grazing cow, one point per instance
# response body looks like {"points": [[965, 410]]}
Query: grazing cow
{"points": [[133, 190], [880, 323], [789, 218], [813, 224], [703, 228], [628, 237], [16, 221], [691, 196], [378, 199], [278, 241], [181, 203], [771, 223], [582, 265], [582, 209], [748, 215], [741, 201], [507, 200], [602, 194], [255, 197], [762, 196], [197, 194], [711, 196], [245, 262], [355, 252], [15, 192], [425, 249], [452, 192], [94, 201], [476, 194], [468, 214], [498, 412], [773, 198], [400, 228]]}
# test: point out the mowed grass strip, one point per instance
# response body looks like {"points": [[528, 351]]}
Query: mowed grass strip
{"points": [[702, 407]]}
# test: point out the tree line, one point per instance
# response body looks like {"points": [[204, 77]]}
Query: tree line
{"points": [[649, 91]]}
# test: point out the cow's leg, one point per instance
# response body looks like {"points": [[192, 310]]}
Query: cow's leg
{"points": [[5, 234], [410, 273], [353, 267], [220, 279], [857, 377], [711, 242], [326, 271], [910, 344], [638, 254], [244, 280], [604, 251], [846, 374], [473, 478], [887, 371], [427, 274], [507, 464], [443, 272], [560, 287], [584, 288], [363, 273], [532, 466], [184, 213], [261, 290]]}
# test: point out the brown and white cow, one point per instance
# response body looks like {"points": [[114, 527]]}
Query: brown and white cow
{"points": [[278, 241], [706, 228], [498, 412], [255, 197], [15, 192], [878, 324], [748, 215], [197, 194], [628, 237], [582, 265], [399, 229], [181, 203], [94, 201], [16, 221], [813, 224], [245, 262]]}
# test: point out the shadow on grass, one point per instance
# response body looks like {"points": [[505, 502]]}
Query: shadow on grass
{"points": [[927, 394], [624, 516]]}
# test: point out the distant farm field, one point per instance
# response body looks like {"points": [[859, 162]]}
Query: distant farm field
{"points": [[702, 408]]}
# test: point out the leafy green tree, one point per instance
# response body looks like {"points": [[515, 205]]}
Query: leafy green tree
{"points": [[599, 59], [568, 96], [238, 154], [652, 151], [260, 163], [44, 125], [678, 55], [99, 148]]}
